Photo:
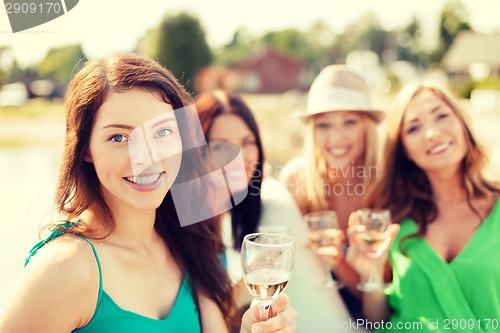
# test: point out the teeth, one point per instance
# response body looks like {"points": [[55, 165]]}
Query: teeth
{"points": [[338, 151], [146, 180], [439, 148]]}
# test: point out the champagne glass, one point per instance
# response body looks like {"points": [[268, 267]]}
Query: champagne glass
{"points": [[372, 240], [267, 261], [324, 236]]}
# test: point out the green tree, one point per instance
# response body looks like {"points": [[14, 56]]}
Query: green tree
{"points": [[7, 64], [289, 41], [409, 47], [365, 33], [61, 63], [452, 20], [238, 49], [179, 43]]}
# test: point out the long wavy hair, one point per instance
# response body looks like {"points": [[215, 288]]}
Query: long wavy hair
{"points": [[246, 215], [404, 188], [316, 173], [194, 247]]}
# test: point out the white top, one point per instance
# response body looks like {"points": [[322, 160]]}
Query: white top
{"points": [[319, 309]]}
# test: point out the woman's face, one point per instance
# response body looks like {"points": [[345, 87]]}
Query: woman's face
{"points": [[136, 149], [432, 134], [230, 128], [340, 137]]}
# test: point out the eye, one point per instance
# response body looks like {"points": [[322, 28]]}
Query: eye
{"points": [[217, 147], [442, 115], [162, 133], [118, 138], [322, 125], [412, 129], [247, 143], [350, 122]]}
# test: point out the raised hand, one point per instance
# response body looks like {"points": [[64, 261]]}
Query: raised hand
{"points": [[369, 266], [281, 318]]}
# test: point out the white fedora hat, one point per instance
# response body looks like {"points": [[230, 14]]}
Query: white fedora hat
{"points": [[339, 88]]}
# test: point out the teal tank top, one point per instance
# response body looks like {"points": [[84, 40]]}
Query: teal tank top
{"points": [[110, 318]]}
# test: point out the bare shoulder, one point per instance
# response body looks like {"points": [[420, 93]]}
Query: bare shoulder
{"points": [[294, 169], [294, 177], [66, 254], [57, 290]]}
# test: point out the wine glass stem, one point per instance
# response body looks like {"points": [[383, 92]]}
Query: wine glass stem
{"points": [[329, 281], [373, 278], [264, 311]]}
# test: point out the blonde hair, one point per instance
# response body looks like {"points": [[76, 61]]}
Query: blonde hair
{"points": [[317, 170], [403, 187]]}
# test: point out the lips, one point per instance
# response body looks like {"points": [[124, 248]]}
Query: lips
{"points": [[439, 148]]}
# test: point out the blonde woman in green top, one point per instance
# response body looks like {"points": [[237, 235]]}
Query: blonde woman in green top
{"points": [[122, 262], [445, 274]]}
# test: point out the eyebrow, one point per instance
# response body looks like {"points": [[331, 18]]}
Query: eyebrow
{"points": [[163, 121], [128, 127], [434, 110], [249, 135]]}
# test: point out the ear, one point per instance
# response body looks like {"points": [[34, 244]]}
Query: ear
{"points": [[88, 158]]}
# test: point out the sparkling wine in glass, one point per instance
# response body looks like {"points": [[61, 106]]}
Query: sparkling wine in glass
{"points": [[371, 239], [324, 236], [267, 261]]}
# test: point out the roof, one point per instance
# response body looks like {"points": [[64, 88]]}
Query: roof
{"points": [[265, 55], [470, 47]]}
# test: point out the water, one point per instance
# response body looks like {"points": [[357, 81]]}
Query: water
{"points": [[27, 183]]}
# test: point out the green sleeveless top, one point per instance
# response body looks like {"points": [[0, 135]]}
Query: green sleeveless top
{"points": [[109, 317], [429, 294]]}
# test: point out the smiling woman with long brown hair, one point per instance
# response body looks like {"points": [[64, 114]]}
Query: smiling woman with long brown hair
{"points": [[449, 215], [120, 261]]}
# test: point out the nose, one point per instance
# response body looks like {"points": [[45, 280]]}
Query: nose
{"points": [[431, 133], [140, 157], [334, 134]]}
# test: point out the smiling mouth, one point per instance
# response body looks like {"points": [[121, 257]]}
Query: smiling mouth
{"points": [[439, 149], [144, 180], [338, 152]]}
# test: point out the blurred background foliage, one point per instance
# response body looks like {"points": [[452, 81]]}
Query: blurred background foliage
{"points": [[179, 42]]}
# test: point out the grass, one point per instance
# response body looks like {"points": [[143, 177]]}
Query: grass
{"points": [[37, 123], [37, 107]]}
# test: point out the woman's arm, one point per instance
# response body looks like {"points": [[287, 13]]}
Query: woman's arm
{"points": [[375, 306], [57, 291], [212, 319]]}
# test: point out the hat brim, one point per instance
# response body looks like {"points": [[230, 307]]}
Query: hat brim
{"points": [[377, 115]]}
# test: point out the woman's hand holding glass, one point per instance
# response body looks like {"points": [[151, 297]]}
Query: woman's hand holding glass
{"points": [[326, 239], [267, 261], [370, 234], [281, 319]]}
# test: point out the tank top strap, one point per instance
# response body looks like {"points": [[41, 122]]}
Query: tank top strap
{"points": [[53, 235], [98, 263], [59, 232]]}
